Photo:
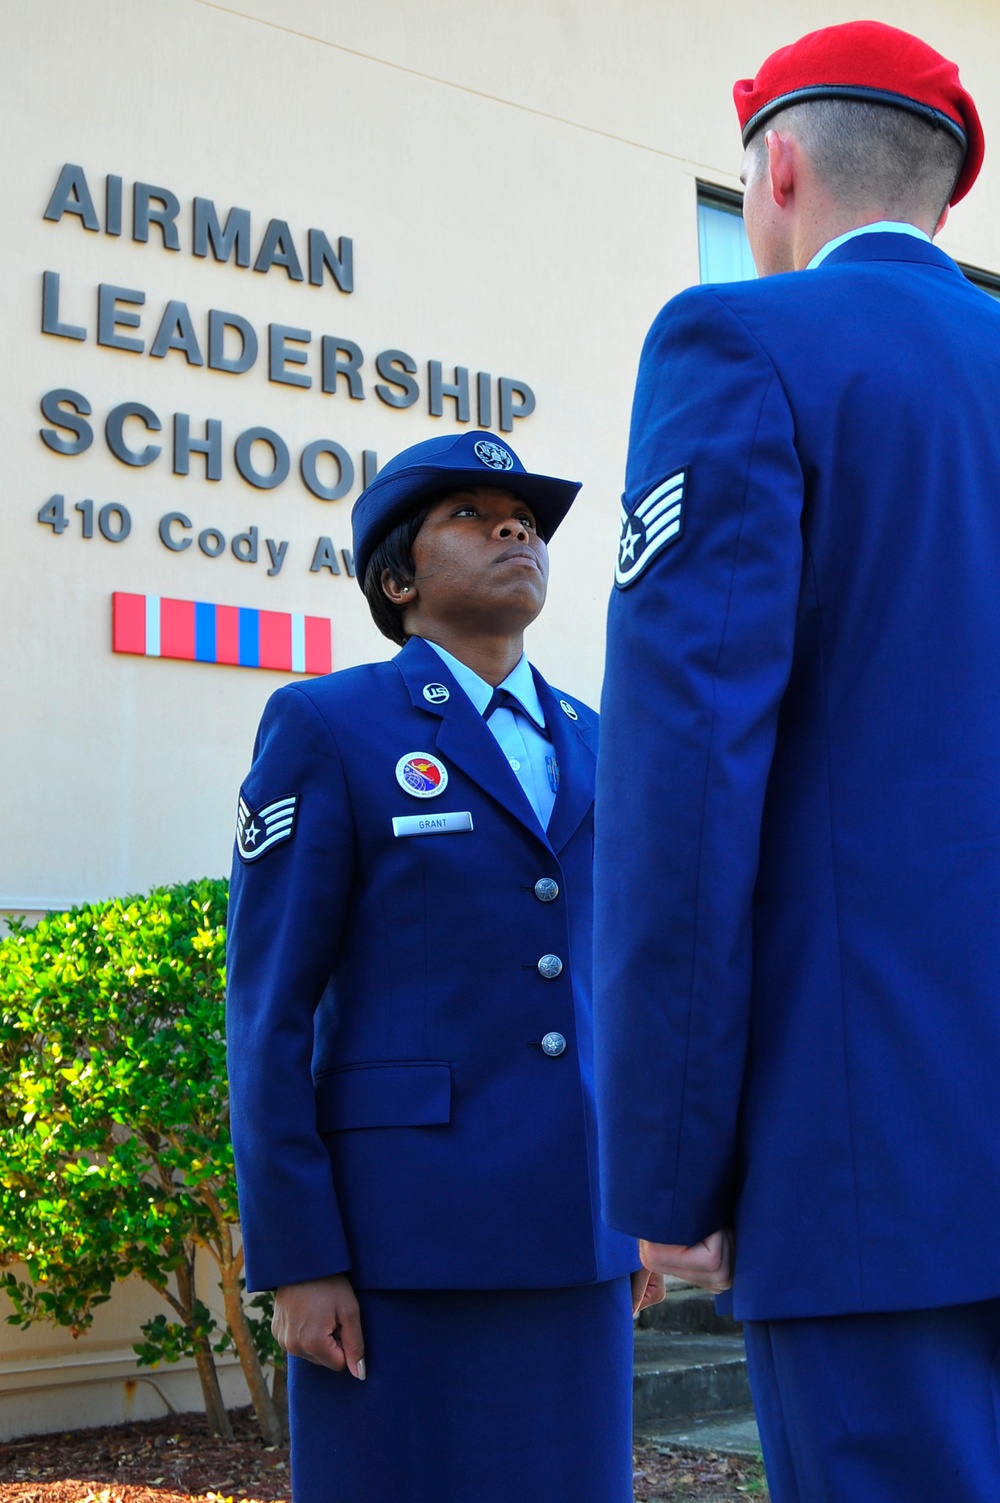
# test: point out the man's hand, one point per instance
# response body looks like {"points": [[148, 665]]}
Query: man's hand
{"points": [[320, 1320], [709, 1264], [647, 1289]]}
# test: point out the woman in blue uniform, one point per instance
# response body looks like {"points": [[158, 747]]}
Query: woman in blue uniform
{"points": [[410, 1027]]}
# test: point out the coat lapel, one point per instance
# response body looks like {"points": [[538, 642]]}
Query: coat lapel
{"points": [[462, 737], [577, 767]]}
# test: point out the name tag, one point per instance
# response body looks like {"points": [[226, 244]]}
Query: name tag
{"points": [[431, 824]]}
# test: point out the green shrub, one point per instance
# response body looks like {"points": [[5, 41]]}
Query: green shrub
{"points": [[115, 1157]]}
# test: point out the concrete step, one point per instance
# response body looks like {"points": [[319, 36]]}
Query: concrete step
{"points": [[731, 1433], [677, 1376], [691, 1311], [690, 1386]]}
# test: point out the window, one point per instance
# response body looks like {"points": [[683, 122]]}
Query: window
{"points": [[986, 280], [723, 249]]}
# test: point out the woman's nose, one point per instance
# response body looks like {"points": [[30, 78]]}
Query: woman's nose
{"points": [[512, 528]]}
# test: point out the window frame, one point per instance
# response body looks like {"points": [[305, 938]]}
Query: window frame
{"points": [[727, 199], [986, 281]]}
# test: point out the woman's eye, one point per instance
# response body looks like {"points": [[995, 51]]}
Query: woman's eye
{"points": [[466, 511], [528, 522]]}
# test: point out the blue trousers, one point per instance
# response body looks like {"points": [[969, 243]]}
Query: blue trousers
{"points": [[491, 1396], [892, 1408]]}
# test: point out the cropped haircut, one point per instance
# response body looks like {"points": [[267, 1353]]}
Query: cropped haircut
{"points": [[874, 154], [395, 553]]}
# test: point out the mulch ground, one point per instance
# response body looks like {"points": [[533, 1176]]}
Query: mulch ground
{"points": [[701, 1477], [175, 1460]]}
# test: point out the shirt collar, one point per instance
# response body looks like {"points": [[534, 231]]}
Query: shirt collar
{"points": [[520, 682], [882, 227]]}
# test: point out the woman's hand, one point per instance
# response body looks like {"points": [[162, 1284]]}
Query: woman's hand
{"points": [[647, 1289], [708, 1264], [320, 1321]]}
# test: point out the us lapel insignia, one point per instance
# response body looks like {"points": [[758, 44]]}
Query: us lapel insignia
{"points": [[257, 830], [657, 521], [421, 775]]}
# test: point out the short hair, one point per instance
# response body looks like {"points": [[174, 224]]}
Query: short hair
{"points": [[395, 553], [874, 154]]}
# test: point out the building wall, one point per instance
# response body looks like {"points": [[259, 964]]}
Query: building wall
{"points": [[49, 1382], [518, 182]]}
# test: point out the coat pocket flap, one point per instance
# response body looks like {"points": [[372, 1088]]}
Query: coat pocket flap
{"points": [[401, 1094]]}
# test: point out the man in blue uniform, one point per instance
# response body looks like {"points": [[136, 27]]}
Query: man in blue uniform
{"points": [[798, 830], [410, 1027]]}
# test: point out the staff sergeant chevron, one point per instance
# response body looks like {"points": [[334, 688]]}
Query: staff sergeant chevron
{"points": [[258, 829], [655, 522]]}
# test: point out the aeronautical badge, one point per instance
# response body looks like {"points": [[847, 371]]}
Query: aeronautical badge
{"points": [[257, 830], [421, 774], [495, 456], [655, 523]]}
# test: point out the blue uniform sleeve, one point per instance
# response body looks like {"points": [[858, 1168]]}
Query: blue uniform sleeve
{"points": [[700, 638], [290, 887]]}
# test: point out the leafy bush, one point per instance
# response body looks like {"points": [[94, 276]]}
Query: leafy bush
{"points": [[115, 1157]]}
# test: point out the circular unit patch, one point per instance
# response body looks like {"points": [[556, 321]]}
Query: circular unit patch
{"points": [[421, 774], [436, 694], [493, 455]]}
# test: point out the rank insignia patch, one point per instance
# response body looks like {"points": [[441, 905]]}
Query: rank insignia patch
{"points": [[657, 521], [257, 830], [421, 774]]}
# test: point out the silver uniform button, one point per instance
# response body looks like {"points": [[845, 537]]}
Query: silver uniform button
{"points": [[546, 890], [553, 1044], [549, 966]]}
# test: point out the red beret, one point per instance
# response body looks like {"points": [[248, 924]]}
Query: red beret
{"points": [[868, 61]]}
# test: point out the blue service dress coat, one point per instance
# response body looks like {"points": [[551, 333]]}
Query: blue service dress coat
{"points": [[798, 833], [396, 960]]}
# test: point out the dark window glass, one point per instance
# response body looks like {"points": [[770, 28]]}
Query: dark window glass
{"points": [[723, 249]]}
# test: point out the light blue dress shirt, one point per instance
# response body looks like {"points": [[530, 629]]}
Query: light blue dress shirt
{"points": [[521, 737], [881, 227]]}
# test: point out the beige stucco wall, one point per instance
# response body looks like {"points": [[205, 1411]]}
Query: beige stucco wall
{"points": [[518, 181], [49, 1381]]}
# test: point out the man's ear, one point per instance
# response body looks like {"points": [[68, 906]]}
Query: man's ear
{"points": [[781, 166], [400, 594], [942, 221]]}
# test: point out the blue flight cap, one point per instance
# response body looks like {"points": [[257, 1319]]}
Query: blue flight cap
{"points": [[439, 465]]}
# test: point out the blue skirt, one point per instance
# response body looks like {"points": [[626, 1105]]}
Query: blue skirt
{"points": [[481, 1396]]}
